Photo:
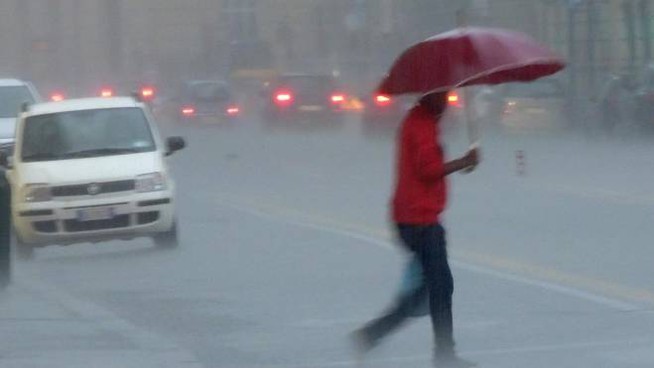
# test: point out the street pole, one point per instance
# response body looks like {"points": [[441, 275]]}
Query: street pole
{"points": [[5, 230], [472, 123], [629, 22], [112, 13], [646, 29], [592, 40], [572, 56], [78, 75], [25, 42], [54, 40]]}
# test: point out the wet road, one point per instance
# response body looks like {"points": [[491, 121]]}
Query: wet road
{"points": [[286, 249]]}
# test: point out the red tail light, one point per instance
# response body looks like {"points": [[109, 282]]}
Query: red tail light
{"points": [[283, 98], [383, 100], [233, 110], [453, 99], [57, 97], [338, 98], [106, 92], [188, 111], [147, 93]]}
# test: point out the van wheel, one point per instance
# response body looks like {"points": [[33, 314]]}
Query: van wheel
{"points": [[168, 239], [24, 251]]}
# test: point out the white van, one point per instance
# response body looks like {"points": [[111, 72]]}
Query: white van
{"points": [[90, 170]]}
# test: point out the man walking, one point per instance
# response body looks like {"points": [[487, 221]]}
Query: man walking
{"points": [[420, 197]]}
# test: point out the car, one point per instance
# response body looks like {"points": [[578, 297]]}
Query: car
{"points": [[541, 104], [382, 113], [106, 92], [213, 99], [90, 170], [304, 96], [57, 96], [13, 93]]}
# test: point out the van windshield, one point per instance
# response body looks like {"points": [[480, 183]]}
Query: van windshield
{"points": [[87, 133]]}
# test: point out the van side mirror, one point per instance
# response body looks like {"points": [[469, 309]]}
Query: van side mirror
{"points": [[174, 144]]}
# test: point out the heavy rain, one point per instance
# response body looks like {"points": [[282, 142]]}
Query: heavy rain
{"points": [[233, 183]]}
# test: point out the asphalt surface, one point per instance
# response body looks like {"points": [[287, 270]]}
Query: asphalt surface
{"points": [[286, 249]]}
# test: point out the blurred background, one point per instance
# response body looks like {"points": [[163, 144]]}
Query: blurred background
{"points": [[283, 191], [89, 42]]}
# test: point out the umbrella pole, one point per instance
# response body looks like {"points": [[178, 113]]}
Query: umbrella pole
{"points": [[472, 124]]}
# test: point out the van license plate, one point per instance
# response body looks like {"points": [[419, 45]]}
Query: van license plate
{"points": [[93, 214]]}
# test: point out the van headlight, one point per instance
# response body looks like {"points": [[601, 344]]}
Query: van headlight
{"points": [[36, 193], [152, 182]]}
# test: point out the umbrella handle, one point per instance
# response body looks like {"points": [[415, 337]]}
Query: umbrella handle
{"points": [[473, 146], [471, 123], [473, 132]]}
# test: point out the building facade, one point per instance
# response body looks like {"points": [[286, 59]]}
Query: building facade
{"points": [[90, 42]]}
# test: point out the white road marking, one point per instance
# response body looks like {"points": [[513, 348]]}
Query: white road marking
{"points": [[101, 318], [314, 226], [471, 353], [580, 294]]}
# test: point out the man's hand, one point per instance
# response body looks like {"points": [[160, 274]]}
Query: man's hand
{"points": [[465, 164], [470, 160]]}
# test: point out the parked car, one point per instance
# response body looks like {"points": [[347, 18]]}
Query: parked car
{"points": [[13, 93], [211, 99], [305, 97], [90, 170]]}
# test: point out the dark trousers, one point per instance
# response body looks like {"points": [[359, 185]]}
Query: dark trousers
{"points": [[428, 244]]}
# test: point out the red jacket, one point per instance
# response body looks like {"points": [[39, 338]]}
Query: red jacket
{"points": [[421, 188]]}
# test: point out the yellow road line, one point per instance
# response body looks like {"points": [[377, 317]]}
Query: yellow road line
{"points": [[597, 194], [514, 266]]}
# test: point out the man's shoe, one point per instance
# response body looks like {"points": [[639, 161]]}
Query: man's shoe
{"points": [[361, 345], [452, 361]]}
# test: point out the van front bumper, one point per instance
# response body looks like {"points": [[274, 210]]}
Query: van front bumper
{"points": [[67, 222]]}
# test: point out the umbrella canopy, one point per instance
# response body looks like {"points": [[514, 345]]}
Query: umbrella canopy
{"points": [[469, 56]]}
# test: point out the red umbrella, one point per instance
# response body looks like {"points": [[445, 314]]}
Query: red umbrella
{"points": [[469, 56]]}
